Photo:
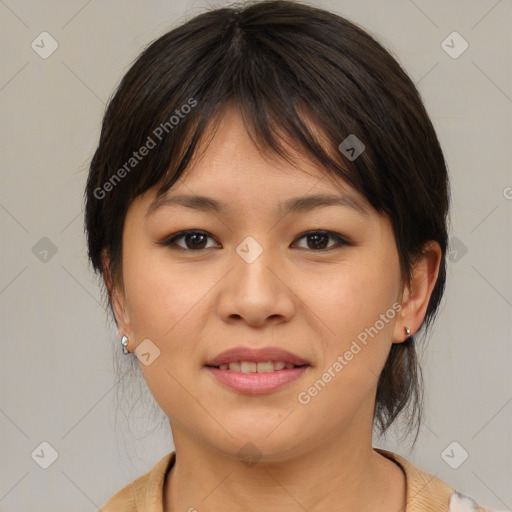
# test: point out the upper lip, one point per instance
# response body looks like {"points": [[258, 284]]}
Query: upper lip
{"points": [[256, 355]]}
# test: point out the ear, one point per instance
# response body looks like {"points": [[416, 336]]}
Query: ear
{"points": [[116, 294], [415, 298]]}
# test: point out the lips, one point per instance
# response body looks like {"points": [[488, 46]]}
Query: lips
{"points": [[259, 355], [256, 371], [256, 383]]}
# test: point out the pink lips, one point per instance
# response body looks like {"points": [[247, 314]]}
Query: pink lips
{"points": [[258, 355], [256, 383]]}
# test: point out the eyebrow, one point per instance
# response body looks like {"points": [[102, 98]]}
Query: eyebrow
{"points": [[302, 204]]}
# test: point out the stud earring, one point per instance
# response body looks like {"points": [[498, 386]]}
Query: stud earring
{"points": [[124, 343], [407, 331]]}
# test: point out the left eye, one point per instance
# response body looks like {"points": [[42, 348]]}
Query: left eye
{"points": [[317, 240]]}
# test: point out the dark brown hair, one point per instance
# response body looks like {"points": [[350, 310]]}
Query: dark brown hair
{"points": [[284, 64]]}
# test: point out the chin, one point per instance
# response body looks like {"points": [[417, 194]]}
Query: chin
{"points": [[256, 445]]}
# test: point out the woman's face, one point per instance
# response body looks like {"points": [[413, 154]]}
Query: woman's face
{"points": [[260, 275]]}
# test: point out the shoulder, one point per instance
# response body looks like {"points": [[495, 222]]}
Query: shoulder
{"points": [[427, 493], [145, 493]]}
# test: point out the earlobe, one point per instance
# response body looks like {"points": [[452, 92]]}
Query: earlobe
{"points": [[115, 297], [417, 296]]}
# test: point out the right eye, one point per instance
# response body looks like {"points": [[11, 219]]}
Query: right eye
{"points": [[192, 237]]}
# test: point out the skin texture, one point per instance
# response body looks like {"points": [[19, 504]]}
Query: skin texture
{"points": [[194, 303]]}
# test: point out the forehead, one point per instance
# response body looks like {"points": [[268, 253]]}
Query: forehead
{"points": [[230, 173], [228, 159]]}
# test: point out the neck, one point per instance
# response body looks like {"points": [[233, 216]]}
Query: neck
{"points": [[336, 476]]}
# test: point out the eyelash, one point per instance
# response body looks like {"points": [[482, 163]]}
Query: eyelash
{"points": [[170, 241]]}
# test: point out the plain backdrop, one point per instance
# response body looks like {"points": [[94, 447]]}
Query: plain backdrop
{"points": [[57, 381]]}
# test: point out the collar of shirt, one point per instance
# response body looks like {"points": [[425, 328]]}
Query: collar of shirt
{"points": [[425, 492]]}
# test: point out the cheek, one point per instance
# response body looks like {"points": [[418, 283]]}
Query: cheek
{"points": [[352, 297], [355, 340], [160, 300], [158, 295]]}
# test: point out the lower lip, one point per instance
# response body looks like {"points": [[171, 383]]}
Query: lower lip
{"points": [[257, 383]]}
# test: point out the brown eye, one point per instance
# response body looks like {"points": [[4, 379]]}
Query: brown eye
{"points": [[193, 240], [318, 240]]}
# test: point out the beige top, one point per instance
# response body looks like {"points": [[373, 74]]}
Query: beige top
{"points": [[425, 492]]}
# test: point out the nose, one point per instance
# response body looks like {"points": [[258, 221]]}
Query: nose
{"points": [[257, 291]]}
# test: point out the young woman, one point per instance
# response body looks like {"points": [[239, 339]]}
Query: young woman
{"points": [[267, 208]]}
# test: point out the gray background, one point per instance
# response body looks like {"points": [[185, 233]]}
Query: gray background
{"points": [[57, 379]]}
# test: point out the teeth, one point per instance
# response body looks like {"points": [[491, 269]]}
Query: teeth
{"points": [[247, 367], [235, 367], [265, 367], [251, 367]]}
